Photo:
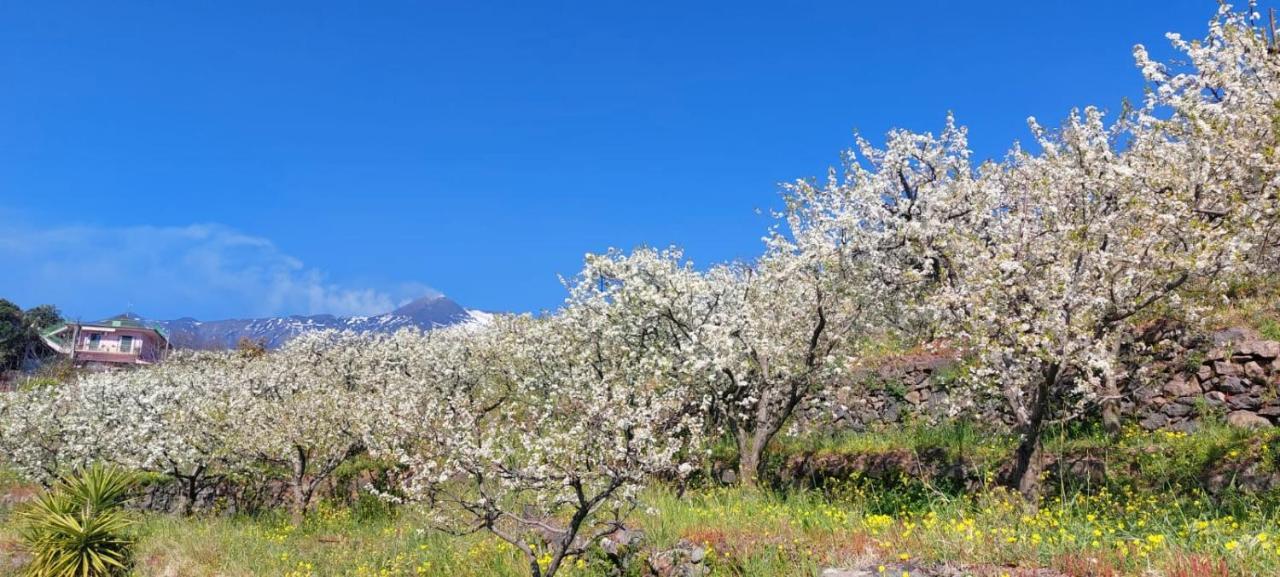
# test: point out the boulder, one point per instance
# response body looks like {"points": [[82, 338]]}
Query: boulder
{"points": [[891, 412], [1244, 402], [1146, 395], [1260, 349], [1204, 373], [1255, 372], [618, 541], [1181, 386], [1247, 420], [1226, 368], [1176, 410], [1234, 335], [684, 560], [1188, 426], [1233, 386], [1248, 476], [1153, 421], [1215, 398], [624, 548]]}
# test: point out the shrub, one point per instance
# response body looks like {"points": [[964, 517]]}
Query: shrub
{"points": [[78, 528]]}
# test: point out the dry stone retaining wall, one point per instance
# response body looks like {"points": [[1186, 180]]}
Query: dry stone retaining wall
{"points": [[1173, 381], [1235, 374]]}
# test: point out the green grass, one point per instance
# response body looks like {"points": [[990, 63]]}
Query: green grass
{"points": [[1253, 304], [1150, 517], [746, 533], [1270, 328]]}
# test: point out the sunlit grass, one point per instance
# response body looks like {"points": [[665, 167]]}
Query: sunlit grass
{"points": [[1149, 518], [750, 533]]}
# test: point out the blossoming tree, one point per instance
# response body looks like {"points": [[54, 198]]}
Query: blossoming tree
{"points": [[33, 432], [539, 431], [307, 406], [180, 418], [1040, 264], [752, 341]]}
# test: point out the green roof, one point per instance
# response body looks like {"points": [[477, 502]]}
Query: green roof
{"points": [[121, 321], [113, 322]]}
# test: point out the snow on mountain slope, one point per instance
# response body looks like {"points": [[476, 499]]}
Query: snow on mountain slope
{"points": [[425, 313], [478, 318]]}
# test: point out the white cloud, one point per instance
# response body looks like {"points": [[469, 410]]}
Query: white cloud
{"points": [[202, 270]]}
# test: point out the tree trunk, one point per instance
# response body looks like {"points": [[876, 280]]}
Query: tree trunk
{"points": [[301, 499], [751, 449], [192, 488], [301, 492], [1028, 457], [1028, 465], [1111, 408], [749, 455], [1111, 398]]}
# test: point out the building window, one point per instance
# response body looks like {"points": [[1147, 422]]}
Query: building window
{"points": [[95, 341], [126, 344]]}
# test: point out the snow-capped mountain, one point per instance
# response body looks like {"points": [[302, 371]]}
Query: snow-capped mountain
{"points": [[425, 313]]}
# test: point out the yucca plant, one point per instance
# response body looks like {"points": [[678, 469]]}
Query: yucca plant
{"points": [[78, 528]]}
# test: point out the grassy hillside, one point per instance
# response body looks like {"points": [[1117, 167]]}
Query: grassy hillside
{"points": [[1162, 503]]}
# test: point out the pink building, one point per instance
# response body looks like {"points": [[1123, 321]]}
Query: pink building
{"points": [[112, 342]]}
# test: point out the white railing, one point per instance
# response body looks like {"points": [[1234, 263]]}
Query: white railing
{"points": [[103, 348]]}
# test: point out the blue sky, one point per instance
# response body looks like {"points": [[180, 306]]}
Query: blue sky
{"points": [[230, 159]]}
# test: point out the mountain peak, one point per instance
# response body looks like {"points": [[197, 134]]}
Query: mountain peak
{"points": [[433, 309], [426, 313]]}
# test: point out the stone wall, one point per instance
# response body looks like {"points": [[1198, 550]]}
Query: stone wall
{"points": [[1173, 379], [1232, 373], [900, 389]]}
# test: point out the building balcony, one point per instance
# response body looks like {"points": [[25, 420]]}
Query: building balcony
{"points": [[88, 355], [108, 350]]}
